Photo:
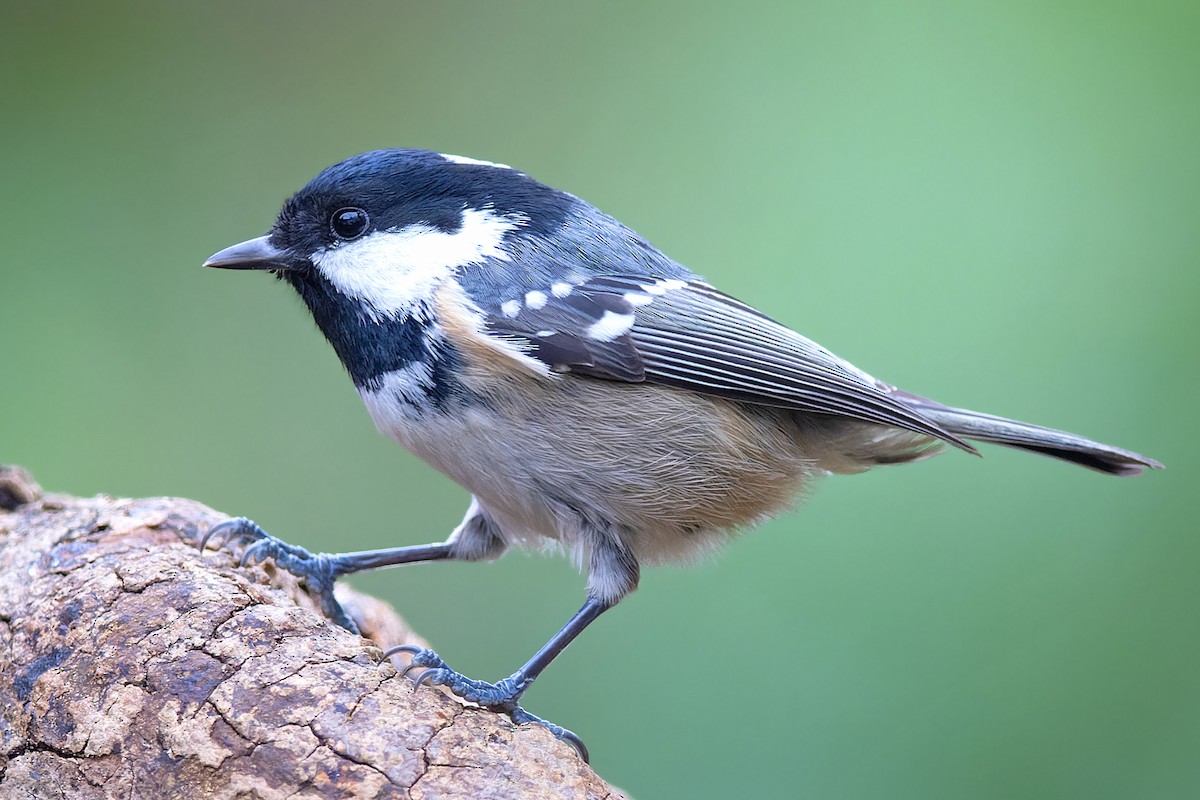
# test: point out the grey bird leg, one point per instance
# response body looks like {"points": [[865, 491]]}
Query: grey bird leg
{"points": [[321, 570], [472, 540], [613, 572], [503, 695]]}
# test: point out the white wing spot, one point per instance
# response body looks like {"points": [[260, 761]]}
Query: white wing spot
{"points": [[544, 334], [475, 161], [661, 287], [638, 299], [561, 289], [610, 326], [510, 308], [536, 300]]}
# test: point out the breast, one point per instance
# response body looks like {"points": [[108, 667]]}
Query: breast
{"points": [[678, 471]]}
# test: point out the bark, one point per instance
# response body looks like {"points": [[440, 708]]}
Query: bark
{"points": [[133, 667]]}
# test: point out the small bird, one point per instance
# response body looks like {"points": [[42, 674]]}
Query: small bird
{"points": [[586, 389]]}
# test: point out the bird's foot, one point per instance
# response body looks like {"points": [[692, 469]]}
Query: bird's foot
{"points": [[319, 571], [501, 696]]}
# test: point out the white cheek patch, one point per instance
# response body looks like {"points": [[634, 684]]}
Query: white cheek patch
{"points": [[390, 271], [475, 161]]}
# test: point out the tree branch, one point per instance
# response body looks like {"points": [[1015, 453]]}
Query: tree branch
{"points": [[130, 666]]}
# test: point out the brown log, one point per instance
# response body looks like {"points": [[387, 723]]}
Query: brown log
{"points": [[133, 667]]}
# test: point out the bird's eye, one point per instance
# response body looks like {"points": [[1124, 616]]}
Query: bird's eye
{"points": [[348, 223]]}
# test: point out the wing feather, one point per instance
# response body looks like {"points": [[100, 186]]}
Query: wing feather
{"points": [[690, 335]]}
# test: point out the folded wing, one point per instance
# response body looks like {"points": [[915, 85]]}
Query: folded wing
{"points": [[690, 335]]}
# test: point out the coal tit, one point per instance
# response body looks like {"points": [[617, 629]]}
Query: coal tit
{"points": [[585, 388]]}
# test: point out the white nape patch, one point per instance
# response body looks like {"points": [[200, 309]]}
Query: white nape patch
{"points": [[638, 299], [391, 271], [561, 289], [510, 308], [474, 161], [610, 326], [536, 300]]}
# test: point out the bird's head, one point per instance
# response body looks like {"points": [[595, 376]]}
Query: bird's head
{"points": [[381, 229]]}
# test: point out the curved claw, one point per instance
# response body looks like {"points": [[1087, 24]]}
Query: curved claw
{"points": [[521, 716], [433, 675], [419, 657], [319, 571], [411, 649], [572, 739], [213, 531], [220, 529], [254, 553], [500, 696], [237, 527], [414, 661]]}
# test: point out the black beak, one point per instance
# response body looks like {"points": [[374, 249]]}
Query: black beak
{"points": [[253, 254]]}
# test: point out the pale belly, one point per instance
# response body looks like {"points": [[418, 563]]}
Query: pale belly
{"points": [[675, 471]]}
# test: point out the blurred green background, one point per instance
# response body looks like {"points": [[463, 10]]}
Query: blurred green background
{"points": [[994, 204]]}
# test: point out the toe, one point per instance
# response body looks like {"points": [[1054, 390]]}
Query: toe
{"points": [[521, 716], [255, 553]]}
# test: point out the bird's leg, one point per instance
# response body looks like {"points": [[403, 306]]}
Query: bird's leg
{"points": [[503, 695], [613, 572], [472, 540]]}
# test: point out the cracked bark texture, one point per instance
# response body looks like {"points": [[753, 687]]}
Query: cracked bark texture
{"points": [[133, 667]]}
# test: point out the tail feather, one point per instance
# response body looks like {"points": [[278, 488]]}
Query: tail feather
{"points": [[1035, 438]]}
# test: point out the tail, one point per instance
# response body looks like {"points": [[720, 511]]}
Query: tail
{"points": [[1024, 436]]}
